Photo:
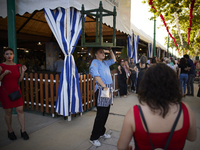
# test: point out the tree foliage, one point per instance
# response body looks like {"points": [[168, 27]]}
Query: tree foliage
{"points": [[182, 7]]}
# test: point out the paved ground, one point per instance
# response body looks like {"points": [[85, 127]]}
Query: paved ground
{"points": [[49, 133]]}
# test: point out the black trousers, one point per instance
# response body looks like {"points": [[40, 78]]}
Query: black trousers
{"points": [[133, 77], [190, 86], [100, 120]]}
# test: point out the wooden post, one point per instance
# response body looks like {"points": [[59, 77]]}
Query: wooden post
{"points": [[52, 93], [41, 93], [31, 91], [27, 91], [36, 92], [46, 92]]}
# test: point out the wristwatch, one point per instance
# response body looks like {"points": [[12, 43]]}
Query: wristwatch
{"points": [[103, 87]]}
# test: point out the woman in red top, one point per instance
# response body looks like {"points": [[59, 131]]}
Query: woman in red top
{"points": [[10, 75], [159, 96]]}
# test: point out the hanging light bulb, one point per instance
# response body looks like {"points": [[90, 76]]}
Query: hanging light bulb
{"points": [[39, 43]]}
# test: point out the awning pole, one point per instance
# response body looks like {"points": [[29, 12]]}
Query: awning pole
{"points": [[154, 38], [168, 46], [12, 41]]}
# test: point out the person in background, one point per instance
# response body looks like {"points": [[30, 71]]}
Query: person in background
{"points": [[191, 75], [160, 104], [197, 68], [133, 69], [100, 71], [141, 66], [59, 64], [176, 65], [121, 78], [183, 75], [153, 61], [168, 61], [127, 70], [10, 74]]}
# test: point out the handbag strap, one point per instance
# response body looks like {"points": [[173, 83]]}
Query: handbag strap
{"points": [[144, 121], [4, 89], [172, 130], [174, 126]]}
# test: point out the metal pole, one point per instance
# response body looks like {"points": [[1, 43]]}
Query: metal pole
{"points": [[154, 38], [12, 40], [168, 46]]}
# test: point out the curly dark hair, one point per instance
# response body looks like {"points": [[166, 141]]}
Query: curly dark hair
{"points": [[159, 88]]}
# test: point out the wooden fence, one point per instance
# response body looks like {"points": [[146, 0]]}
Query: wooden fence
{"points": [[39, 91]]}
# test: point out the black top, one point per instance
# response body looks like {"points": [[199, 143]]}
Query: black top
{"points": [[122, 76], [183, 68]]}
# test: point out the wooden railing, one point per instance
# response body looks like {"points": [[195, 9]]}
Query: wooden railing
{"points": [[39, 91]]}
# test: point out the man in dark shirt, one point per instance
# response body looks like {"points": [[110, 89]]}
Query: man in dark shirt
{"points": [[132, 68], [191, 75]]}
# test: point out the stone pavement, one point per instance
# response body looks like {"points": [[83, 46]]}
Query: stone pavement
{"points": [[49, 133]]}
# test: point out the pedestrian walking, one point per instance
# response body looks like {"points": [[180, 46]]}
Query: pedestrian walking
{"points": [[183, 75], [191, 75], [133, 69]]}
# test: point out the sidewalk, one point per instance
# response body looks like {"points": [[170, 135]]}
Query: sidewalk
{"points": [[49, 133]]}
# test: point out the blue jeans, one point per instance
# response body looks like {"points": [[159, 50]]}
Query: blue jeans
{"points": [[183, 80]]}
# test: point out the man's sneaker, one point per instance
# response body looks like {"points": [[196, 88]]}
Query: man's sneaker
{"points": [[106, 136], [95, 142]]}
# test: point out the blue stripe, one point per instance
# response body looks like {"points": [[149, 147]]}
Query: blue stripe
{"points": [[62, 28]]}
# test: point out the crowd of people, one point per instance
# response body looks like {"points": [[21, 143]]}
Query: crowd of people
{"points": [[159, 87], [184, 68], [160, 113]]}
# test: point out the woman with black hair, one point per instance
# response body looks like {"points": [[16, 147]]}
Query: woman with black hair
{"points": [[183, 75], [10, 74], [141, 66], [121, 78], [160, 103]]}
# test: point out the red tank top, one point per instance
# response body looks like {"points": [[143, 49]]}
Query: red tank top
{"points": [[159, 139]]}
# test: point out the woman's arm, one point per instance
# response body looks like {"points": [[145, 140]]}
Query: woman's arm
{"points": [[22, 71], [192, 132], [119, 68], [112, 55], [98, 79], [127, 131], [179, 72], [3, 74]]}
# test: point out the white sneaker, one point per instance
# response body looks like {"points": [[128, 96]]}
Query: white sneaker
{"points": [[95, 142], [106, 136]]}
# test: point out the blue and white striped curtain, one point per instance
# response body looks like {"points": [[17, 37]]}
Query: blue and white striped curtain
{"points": [[66, 25], [132, 47], [163, 54], [150, 50], [158, 52], [135, 48]]}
